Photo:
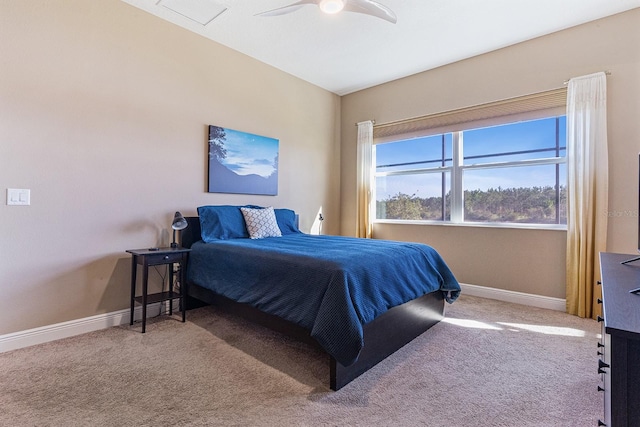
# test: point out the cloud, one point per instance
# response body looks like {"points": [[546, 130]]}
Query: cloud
{"points": [[250, 154]]}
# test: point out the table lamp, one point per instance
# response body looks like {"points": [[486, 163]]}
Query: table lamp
{"points": [[179, 223]]}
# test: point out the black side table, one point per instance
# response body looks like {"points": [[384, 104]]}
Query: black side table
{"points": [[161, 256]]}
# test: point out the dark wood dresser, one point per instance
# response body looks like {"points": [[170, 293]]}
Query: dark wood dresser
{"points": [[619, 363]]}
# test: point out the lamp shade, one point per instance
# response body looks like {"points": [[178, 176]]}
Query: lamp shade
{"points": [[179, 223]]}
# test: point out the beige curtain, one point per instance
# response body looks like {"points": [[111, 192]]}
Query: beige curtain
{"points": [[587, 168], [364, 159]]}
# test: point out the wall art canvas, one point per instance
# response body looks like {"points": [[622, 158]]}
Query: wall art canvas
{"points": [[242, 163]]}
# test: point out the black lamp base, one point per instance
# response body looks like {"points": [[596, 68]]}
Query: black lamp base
{"points": [[173, 243]]}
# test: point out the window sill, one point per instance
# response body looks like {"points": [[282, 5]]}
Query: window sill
{"points": [[552, 227]]}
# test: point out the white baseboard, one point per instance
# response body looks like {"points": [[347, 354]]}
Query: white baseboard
{"points": [[532, 300], [71, 328]]}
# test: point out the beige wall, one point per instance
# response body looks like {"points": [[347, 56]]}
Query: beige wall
{"points": [[103, 115], [520, 260]]}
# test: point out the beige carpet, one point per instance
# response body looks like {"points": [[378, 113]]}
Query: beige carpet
{"points": [[489, 363]]}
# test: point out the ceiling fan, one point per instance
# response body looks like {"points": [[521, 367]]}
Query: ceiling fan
{"points": [[368, 7]]}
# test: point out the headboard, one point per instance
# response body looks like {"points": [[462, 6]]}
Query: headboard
{"points": [[192, 233]]}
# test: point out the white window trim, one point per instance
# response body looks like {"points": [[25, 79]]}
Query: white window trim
{"points": [[456, 171]]}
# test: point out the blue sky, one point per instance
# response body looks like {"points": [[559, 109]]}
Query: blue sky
{"points": [[519, 136], [250, 154]]}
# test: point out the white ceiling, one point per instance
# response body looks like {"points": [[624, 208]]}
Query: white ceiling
{"points": [[348, 52]]}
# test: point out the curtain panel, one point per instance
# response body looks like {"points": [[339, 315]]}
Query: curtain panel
{"points": [[364, 186], [588, 177]]}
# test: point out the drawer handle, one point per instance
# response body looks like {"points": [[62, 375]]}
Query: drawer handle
{"points": [[600, 423], [166, 257], [600, 318], [599, 282], [599, 301], [600, 345], [600, 388], [601, 366]]}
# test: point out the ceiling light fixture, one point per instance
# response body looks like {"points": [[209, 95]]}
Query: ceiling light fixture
{"points": [[331, 6], [367, 7]]}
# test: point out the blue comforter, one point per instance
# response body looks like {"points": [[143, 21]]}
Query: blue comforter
{"points": [[330, 285]]}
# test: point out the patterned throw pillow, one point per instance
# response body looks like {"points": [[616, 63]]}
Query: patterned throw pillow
{"points": [[261, 222]]}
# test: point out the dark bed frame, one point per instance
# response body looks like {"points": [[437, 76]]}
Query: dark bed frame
{"points": [[382, 336]]}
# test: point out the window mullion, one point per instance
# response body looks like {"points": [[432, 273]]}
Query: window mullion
{"points": [[558, 171], [443, 188], [457, 196]]}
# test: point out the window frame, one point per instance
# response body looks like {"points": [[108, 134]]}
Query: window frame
{"points": [[550, 104]]}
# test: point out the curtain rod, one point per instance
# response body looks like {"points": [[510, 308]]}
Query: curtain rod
{"points": [[566, 82]]}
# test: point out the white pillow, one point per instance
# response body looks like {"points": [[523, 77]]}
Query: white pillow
{"points": [[261, 222]]}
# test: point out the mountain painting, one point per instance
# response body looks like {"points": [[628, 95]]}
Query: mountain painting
{"points": [[242, 163]]}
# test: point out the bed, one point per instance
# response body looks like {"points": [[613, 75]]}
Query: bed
{"points": [[358, 300]]}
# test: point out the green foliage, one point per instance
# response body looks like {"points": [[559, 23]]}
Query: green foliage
{"points": [[403, 206], [217, 137], [530, 205]]}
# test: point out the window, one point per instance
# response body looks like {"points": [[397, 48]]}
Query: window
{"points": [[510, 172]]}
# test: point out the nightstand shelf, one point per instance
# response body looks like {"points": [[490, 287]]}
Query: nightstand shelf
{"points": [[152, 257], [158, 297]]}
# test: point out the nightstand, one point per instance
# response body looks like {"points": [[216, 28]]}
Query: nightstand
{"points": [[160, 256]]}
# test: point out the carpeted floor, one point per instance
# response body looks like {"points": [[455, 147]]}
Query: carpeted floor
{"points": [[489, 363]]}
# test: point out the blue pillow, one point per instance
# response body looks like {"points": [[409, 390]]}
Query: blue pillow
{"points": [[286, 219], [225, 222], [221, 223]]}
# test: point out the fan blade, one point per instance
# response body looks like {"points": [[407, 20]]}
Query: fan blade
{"points": [[370, 7], [287, 9]]}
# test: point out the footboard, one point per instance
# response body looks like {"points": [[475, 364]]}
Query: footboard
{"points": [[388, 333]]}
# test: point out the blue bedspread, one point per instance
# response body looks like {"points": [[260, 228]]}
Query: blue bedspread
{"points": [[330, 285]]}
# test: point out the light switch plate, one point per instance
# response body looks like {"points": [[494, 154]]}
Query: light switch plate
{"points": [[18, 196]]}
